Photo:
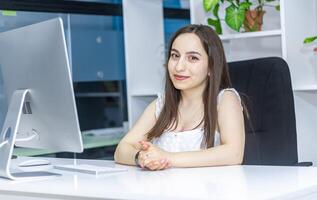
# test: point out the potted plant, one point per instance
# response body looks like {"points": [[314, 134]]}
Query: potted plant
{"points": [[310, 40], [237, 14]]}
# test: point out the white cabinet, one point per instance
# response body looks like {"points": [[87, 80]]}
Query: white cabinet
{"points": [[283, 34], [144, 53]]}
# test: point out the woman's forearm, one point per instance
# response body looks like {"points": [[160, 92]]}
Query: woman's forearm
{"points": [[125, 153], [219, 155]]}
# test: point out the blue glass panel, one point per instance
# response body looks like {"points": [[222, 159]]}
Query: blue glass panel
{"points": [[97, 48], [176, 3], [172, 25], [27, 18], [171, 4]]}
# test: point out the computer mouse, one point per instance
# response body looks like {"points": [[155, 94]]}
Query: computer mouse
{"points": [[34, 162]]}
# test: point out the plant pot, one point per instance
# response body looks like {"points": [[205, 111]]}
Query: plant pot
{"points": [[253, 20]]}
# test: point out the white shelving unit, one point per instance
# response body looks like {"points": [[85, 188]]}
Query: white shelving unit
{"points": [[306, 88], [283, 34], [247, 35], [144, 53], [300, 22], [242, 46], [143, 94]]}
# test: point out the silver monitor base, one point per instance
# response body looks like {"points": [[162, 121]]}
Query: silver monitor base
{"points": [[8, 138]]}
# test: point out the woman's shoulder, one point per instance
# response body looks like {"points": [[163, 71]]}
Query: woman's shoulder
{"points": [[151, 106], [228, 93], [229, 96]]}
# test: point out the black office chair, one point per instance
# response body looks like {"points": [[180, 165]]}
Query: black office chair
{"points": [[265, 86]]}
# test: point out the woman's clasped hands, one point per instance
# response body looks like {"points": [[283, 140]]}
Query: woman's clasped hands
{"points": [[152, 157]]}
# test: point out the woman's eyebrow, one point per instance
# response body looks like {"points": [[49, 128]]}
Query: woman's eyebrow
{"points": [[189, 52], [175, 50], [193, 52]]}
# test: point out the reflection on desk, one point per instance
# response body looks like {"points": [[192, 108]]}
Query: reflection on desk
{"points": [[228, 182], [90, 141]]}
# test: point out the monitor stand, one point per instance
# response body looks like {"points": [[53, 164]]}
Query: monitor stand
{"points": [[8, 138]]}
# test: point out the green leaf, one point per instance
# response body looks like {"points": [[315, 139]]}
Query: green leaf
{"points": [[235, 16], [216, 24], [269, 0], [215, 11], [245, 5], [209, 4], [277, 7], [310, 39], [234, 3], [212, 22]]}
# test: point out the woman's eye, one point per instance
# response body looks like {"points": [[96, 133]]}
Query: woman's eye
{"points": [[174, 55], [192, 58]]}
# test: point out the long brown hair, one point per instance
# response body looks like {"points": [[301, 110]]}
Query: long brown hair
{"points": [[218, 79]]}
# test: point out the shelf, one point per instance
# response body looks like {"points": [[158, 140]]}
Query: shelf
{"points": [[306, 88], [97, 94], [143, 94], [251, 35]]}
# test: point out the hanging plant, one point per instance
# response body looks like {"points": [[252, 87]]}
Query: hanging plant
{"points": [[237, 14], [253, 20]]}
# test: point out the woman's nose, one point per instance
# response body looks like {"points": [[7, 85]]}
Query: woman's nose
{"points": [[180, 65]]}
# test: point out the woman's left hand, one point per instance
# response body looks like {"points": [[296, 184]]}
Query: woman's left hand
{"points": [[153, 158]]}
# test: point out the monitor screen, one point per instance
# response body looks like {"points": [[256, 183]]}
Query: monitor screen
{"points": [[34, 59]]}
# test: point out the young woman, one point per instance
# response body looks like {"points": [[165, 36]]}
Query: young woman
{"points": [[198, 121]]}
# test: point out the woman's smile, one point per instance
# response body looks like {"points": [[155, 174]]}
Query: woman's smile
{"points": [[180, 77]]}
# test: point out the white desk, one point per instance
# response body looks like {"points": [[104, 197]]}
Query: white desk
{"points": [[232, 182]]}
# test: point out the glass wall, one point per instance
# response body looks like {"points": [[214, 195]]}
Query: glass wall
{"points": [[98, 70], [95, 45], [96, 51], [173, 24]]}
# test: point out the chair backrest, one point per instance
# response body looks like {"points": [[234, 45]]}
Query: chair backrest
{"points": [[265, 86]]}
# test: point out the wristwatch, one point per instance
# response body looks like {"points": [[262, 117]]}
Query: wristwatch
{"points": [[136, 158]]}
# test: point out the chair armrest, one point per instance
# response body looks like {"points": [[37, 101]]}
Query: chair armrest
{"points": [[303, 164]]}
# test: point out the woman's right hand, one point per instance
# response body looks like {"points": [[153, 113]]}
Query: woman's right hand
{"points": [[152, 157]]}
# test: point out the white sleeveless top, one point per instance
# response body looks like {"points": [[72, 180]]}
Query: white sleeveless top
{"points": [[191, 140]]}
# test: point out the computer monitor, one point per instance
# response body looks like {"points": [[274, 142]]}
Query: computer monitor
{"points": [[38, 85]]}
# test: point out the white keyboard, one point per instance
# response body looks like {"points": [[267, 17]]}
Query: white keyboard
{"points": [[89, 169]]}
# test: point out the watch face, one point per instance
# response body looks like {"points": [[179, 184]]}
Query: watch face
{"points": [[136, 158]]}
